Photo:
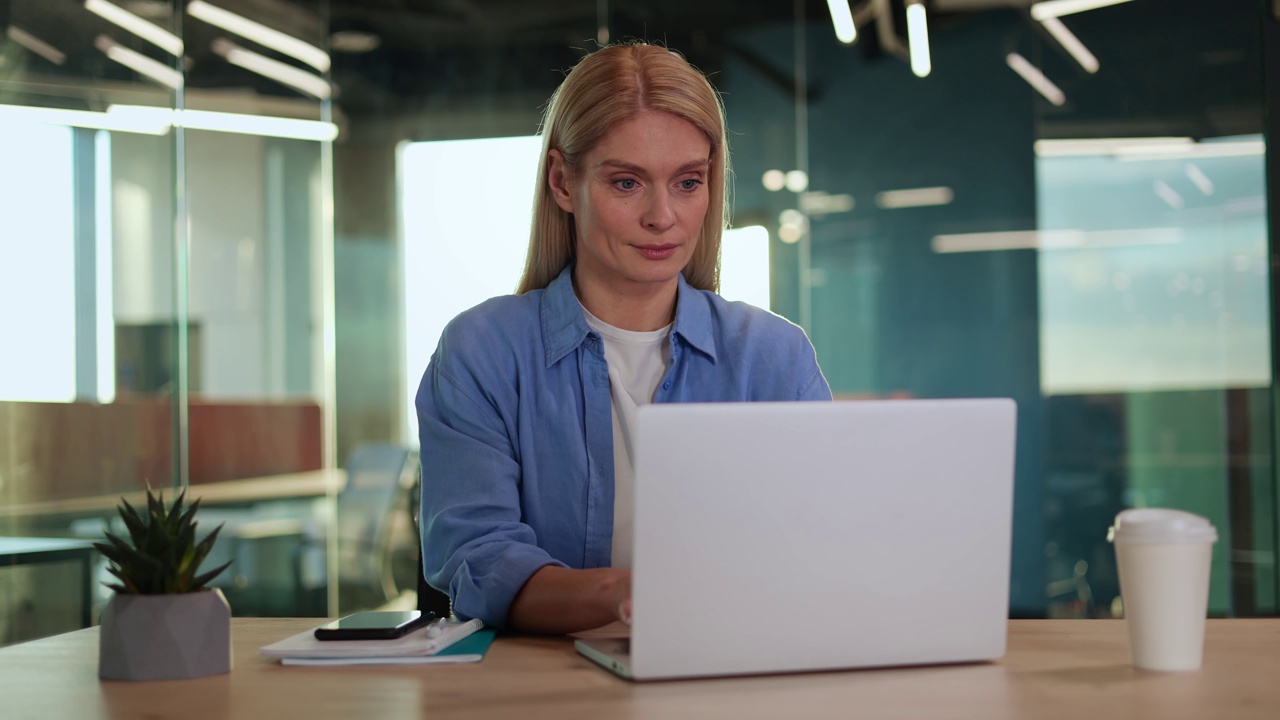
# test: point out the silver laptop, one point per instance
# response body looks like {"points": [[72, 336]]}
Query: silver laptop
{"points": [[790, 537]]}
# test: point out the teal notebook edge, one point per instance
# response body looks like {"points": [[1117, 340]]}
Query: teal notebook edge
{"points": [[477, 643]]}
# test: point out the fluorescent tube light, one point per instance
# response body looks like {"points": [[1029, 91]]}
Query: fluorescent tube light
{"points": [[282, 73], [1071, 44], [1149, 148], [1058, 8], [139, 63], [842, 19], [1036, 79], [821, 203], [1199, 179], [1103, 146], [918, 39], [150, 32], [158, 121], [82, 118], [36, 45], [1228, 148], [259, 33], [1168, 194], [1054, 239], [293, 128], [914, 197]]}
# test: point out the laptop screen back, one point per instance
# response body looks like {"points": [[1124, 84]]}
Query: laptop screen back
{"points": [[775, 537]]}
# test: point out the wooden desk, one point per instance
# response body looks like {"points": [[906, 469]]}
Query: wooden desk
{"points": [[1074, 669]]}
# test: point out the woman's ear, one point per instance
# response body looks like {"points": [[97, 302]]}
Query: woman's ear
{"points": [[560, 180]]}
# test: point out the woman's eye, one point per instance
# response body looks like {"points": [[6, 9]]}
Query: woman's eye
{"points": [[690, 184], [625, 184]]}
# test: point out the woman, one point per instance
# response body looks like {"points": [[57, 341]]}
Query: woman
{"points": [[526, 406]]}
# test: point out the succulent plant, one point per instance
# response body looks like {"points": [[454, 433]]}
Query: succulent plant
{"points": [[161, 556]]}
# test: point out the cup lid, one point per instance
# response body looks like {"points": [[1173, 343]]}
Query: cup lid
{"points": [[1161, 525]]}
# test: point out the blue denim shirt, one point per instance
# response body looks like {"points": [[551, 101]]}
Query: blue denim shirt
{"points": [[517, 432]]}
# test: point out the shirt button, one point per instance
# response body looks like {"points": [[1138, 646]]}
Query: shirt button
{"points": [[666, 385]]}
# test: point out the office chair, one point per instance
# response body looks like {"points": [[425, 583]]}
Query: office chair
{"points": [[379, 478], [429, 598], [280, 557]]}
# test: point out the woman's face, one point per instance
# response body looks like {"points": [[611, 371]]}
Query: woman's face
{"points": [[638, 200]]}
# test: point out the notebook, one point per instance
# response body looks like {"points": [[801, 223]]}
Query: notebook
{"points": [[789, 537], [456, 642]]}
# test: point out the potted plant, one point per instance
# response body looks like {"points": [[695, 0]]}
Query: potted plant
{"points": [[162, 623]]}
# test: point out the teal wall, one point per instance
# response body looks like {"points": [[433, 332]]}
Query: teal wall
{"points": [[889, 315]]}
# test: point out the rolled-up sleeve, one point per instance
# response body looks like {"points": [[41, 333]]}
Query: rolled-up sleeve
{"points": [[473, 541]]}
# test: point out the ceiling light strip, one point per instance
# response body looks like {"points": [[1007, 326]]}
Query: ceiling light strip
{"points": [[139, 63], [256, 125], [1058, 8], [1071, 44], [914, 197], [1074, 239], [1231, 148], [159, 120], [36, 45], [1199, 179], [1166, 193], [261, 34], [918, 39], [81, 118], [293, 128], [273, 69], [842, 20], [1036, 79], [148, 31], [1071, 147]]}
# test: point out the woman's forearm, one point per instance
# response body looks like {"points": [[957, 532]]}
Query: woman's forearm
{"points": [[560, 600]]}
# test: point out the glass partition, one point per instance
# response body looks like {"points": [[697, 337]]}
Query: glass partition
{"points": [[87, 194], [166, 252], [1154, 285]]}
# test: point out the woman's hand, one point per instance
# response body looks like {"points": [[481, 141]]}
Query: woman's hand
{"points": [[623, 593], [558, 600]]}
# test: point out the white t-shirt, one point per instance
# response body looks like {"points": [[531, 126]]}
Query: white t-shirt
{"points": [[637, 363]]}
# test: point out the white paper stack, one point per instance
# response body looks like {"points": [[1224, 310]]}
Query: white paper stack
{"points": [[420, 646]]}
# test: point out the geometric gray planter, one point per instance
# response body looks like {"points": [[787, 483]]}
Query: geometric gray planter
{"points": [[165, 637]]}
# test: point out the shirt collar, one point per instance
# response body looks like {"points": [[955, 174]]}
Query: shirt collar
{"points": [[693, 319], [564, 327]]}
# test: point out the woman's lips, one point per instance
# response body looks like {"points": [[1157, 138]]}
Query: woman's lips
{"points": [[657, 252]]}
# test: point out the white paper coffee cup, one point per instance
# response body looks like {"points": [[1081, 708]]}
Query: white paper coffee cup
{"points": [[1164, 558]]}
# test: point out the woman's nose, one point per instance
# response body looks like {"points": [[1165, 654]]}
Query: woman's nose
{"points": [[659, 215]]}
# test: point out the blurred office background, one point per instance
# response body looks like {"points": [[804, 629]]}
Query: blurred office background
{"points": [[230, 231]]}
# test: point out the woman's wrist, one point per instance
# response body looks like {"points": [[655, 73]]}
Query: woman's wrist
{"points": [[615, 594], [561, 600]]}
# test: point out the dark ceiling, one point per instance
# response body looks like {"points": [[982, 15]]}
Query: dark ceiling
{"points": [[424, 47]]}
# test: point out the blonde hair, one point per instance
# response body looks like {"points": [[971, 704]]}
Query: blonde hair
{"points": [[606, 87]]}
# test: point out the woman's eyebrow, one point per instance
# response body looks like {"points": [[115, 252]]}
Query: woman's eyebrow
{"points": [[624, 165]]}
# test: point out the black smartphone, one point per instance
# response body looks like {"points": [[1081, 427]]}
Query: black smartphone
{"points": [[374, 625]]}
